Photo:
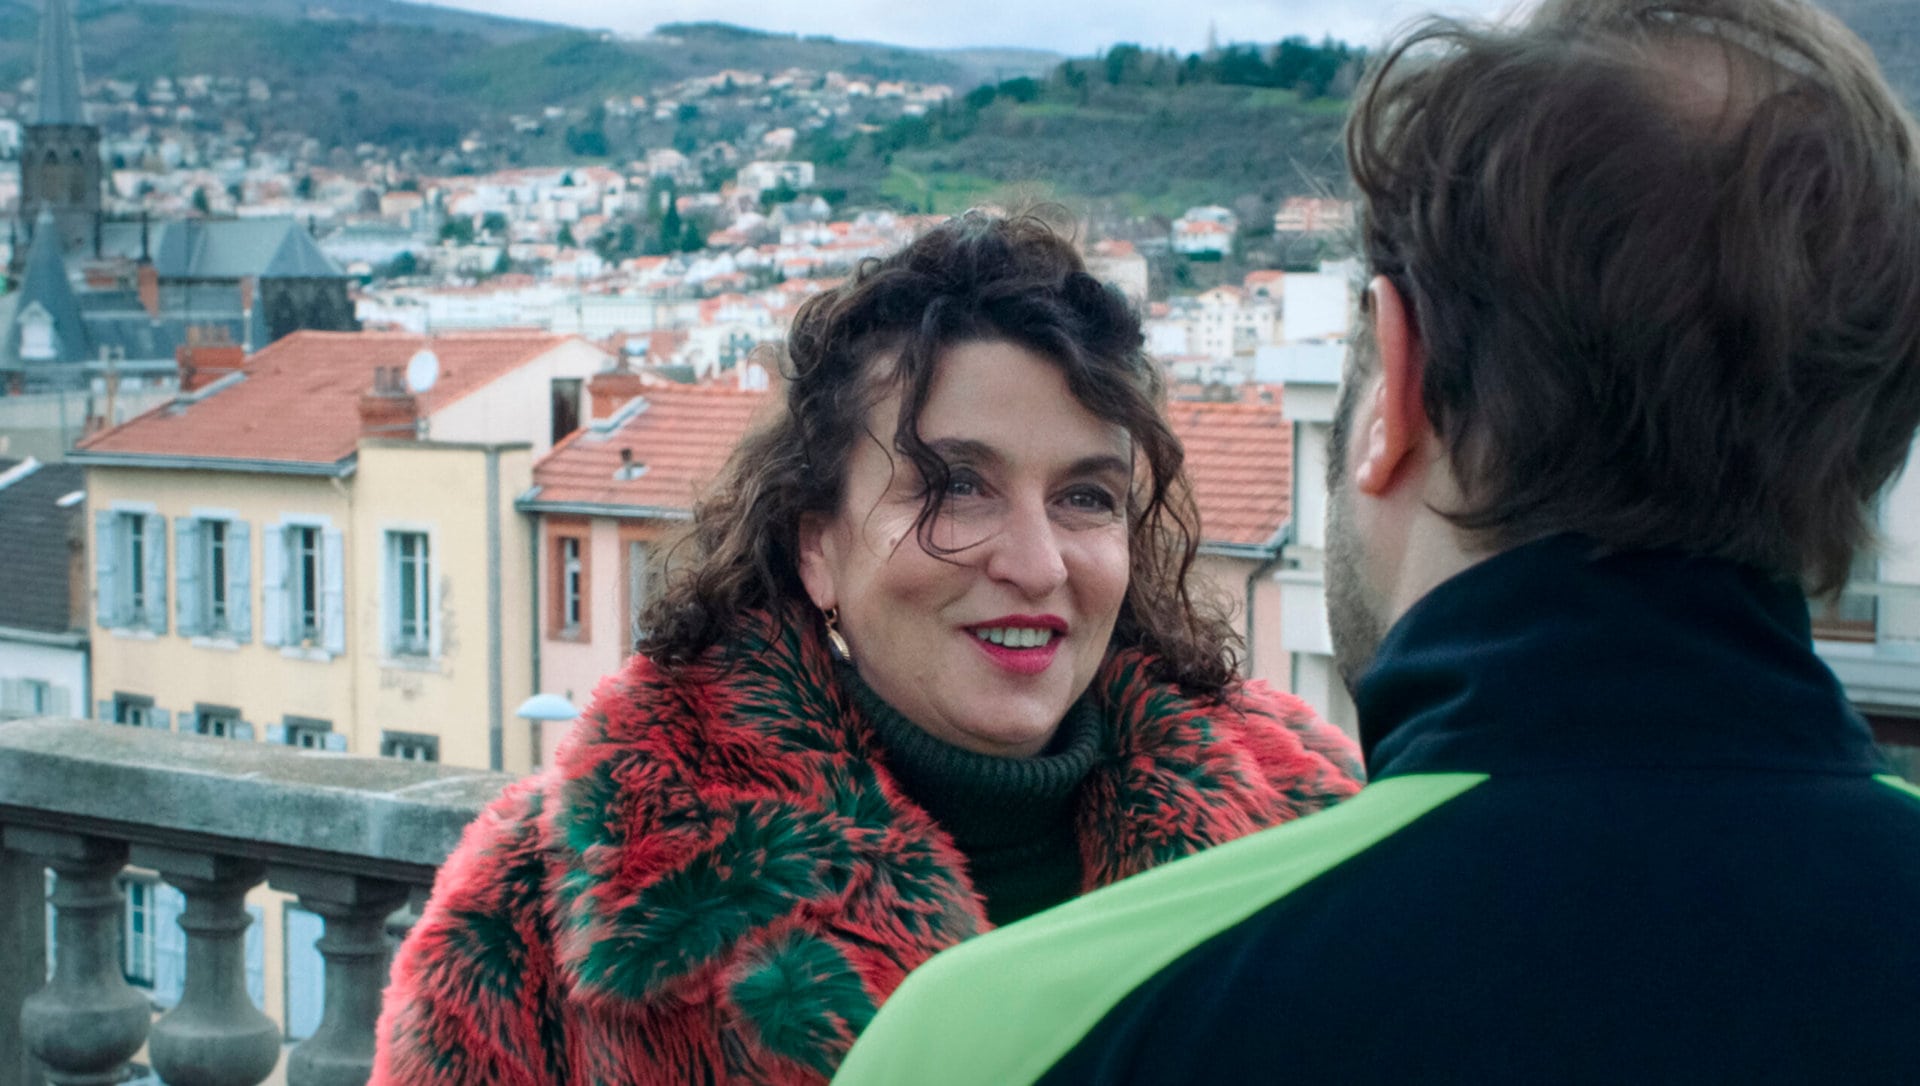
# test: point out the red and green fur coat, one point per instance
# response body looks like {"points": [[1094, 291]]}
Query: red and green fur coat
{"points": [[719, 881]]}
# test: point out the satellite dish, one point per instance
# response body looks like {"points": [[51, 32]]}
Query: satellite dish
{"points": [[423, 369]]}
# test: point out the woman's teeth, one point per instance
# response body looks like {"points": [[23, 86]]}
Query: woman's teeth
{"points": [[1014, 637]]}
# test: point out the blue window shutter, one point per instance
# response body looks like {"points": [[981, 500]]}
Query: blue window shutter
{"points": [[106, 568], [242, 730], [277, 734], [169, 946], [186, 575], [103, 712], [334, 591], [156, 573], [189, 723], [161, 719], [305, 972], [62, 702], [334, 741], [239, 582], [273, 586], [257, 956]]}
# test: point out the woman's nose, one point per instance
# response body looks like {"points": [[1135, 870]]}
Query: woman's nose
{"points": [[1026, 553]]}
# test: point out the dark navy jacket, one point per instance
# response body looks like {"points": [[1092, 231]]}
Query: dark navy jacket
{"points": [[1624, 827]]}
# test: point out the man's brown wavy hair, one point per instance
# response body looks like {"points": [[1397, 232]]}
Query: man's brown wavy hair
{"points": [[1663, 258], [975, 277]]}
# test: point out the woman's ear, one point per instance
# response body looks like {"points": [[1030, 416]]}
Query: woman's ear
{"points": [[816, 561]]}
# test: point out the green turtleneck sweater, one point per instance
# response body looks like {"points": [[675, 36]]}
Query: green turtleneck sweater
{"points": [[1011, 817]]}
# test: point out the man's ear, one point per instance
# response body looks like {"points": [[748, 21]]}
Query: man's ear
{"points": [[1395, 417], [816, 565]]}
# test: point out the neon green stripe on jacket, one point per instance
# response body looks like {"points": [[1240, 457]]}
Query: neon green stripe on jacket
{"points": [[1900, 784], [1002, 1009]]}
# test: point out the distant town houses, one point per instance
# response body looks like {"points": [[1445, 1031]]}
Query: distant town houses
{"points": [[1205, 232]]}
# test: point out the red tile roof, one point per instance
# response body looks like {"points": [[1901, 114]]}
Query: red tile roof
{"points": [[299, 401], [683, 436], [1240, 457]]}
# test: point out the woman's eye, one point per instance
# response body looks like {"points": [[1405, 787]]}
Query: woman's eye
{"points": [[1092, 499], [962, 483]]}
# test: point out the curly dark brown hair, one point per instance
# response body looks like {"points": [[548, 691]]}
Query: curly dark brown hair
{"points": [[976, 277]]}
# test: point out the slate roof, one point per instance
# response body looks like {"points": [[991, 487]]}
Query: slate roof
{"points": [[58, 79], [35, 540], [299, 401], [45, 284], [1239, 455], [90, 323], [275, 248]]}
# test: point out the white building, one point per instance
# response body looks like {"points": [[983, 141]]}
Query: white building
{"points": [[1205, 232]]}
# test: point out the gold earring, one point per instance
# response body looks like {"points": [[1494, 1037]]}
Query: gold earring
{"points": [[835, 639]]}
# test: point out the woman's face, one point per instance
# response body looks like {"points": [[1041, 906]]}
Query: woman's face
{"points": [[986, 647]]}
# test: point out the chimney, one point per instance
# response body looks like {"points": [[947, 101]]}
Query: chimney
{"points": [[201, 364], [388, 410], [613, 389], [150, 289]]}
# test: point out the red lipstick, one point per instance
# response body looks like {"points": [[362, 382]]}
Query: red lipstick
{"points": [[1022, 661]]}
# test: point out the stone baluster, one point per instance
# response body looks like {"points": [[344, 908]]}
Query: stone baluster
{"points": [[355, 948], [214, 1036], [23, 932], [88, 1021]]}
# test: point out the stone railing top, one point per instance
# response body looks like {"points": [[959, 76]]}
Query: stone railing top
{"points": [[373, 816]]}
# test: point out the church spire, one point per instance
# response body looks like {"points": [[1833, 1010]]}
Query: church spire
{"points": [[58, 79]]}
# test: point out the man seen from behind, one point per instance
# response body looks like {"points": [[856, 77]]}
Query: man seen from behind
{"points": [[1640, 350]]}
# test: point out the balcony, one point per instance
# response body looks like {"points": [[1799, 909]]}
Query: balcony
{"points": [[353, 840]]}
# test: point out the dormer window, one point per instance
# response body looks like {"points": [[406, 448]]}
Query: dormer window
{"points": [[38, 343]]}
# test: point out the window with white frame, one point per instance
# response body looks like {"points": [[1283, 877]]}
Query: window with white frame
{"points": [[304, 574], [212, 573], [409, 594], [410, 746], [213, 570], [218, 722], [309, 733], [303, 591], [639, 588], [32, 697], [137, 946], [570, 586], [133, 710], [130, 570]]}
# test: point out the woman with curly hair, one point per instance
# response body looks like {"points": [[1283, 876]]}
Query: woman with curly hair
{"points": [[932, 667]]}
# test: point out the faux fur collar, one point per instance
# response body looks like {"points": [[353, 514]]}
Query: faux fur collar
{"points": [[729, 838]]}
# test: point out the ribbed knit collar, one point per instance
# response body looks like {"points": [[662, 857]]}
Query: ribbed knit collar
{"points": [[1559, 654], [983, 801]]}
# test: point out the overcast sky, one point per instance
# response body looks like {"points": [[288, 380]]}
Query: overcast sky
{"points": [[1075, 27]]}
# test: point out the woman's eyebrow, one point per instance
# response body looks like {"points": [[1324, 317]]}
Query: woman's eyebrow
{"points": [[1102, 464], [973, 451], [967, 449]]}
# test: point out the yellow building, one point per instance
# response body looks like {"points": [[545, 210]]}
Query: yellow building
{"points": [[320, 548]]}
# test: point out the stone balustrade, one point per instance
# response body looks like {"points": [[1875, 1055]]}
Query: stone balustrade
{"points": [[353, 839]]}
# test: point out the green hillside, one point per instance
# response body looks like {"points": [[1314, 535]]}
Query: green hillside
{"points": [[1143, 134]]}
